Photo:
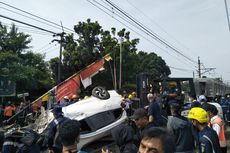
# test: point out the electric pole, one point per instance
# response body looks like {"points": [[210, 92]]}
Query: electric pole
{"points": [[199, 71], [121, 41], [205, 70], [226, 8], [61, 35]]}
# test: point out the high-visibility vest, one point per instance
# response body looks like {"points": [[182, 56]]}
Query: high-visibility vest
{"points": [[8, 111], [218, 120]]}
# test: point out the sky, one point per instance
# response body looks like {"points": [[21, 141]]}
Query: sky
{"points": [[193, 27]]}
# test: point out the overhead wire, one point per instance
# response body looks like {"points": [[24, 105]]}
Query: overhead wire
{"points": [[42, 29], [30, 18], [150, 32], [26, 29], [45, 50], [36, 16], [129, 27], [158, 25]]}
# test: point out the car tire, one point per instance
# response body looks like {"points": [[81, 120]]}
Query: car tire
{"points": [[101, 93]]}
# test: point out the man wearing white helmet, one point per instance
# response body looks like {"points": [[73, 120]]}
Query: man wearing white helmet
{"points": [[65, 102], [202, 99]]}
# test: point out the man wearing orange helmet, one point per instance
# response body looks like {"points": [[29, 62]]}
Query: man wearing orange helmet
{"points": [[74, 99]]}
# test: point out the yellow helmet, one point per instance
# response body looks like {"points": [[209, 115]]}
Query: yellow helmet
{"points": [[86, 97], [198, 114], [130, 97], [172, 83]]}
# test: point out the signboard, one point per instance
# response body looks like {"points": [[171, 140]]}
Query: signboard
{"points": [[23, 95], [7, 87]]}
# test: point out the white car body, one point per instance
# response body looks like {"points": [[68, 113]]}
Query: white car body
{"points": [[88, 111]]}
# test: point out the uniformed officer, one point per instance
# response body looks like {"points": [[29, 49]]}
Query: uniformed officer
{"points": [[54, 142], [208, 139]]}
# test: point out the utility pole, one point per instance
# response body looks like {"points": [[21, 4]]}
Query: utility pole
{"points": [[205, 70], [114, 71], [61, 35], [226, 8], [199, 71], [121, 41]]}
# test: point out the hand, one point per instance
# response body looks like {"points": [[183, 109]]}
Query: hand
{"points": [[105, 150], [50, 151]]}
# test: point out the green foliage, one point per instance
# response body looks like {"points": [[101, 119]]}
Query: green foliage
{"points": [[13, 40], [78, 54], [28, 69]]}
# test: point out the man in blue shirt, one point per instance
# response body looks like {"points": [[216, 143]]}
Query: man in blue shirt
{"points": [[154, 111], [208, 139], [54, 142]]}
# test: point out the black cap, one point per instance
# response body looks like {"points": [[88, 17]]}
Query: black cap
{"points": [[139, 113]]}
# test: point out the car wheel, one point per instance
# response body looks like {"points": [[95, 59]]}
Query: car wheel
{"points": [[101, 93]]}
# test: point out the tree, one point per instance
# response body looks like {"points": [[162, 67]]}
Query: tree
{"points": [[27, 69], [13, 40], [94, 42], [153, 65]]}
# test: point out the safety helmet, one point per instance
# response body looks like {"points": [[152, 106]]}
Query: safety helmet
{"points": [[202, 98], [74, 96], [130, 97], [198, 114], [66, 97], [86, 97], [172, 83]]}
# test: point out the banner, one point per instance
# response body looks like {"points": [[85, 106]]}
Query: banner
{"points": [[68, 88]]}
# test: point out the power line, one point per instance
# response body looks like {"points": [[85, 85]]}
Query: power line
{"points": [[27, 24], [35, 16], [120, 16], [181, 69], [25, 29], [154, 22], [149, 32], [30, 18]]}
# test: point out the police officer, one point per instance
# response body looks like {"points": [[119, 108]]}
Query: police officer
{"points": [[208, 139], [54, 142]]}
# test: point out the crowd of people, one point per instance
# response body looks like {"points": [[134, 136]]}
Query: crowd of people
{"points": [[158, 127]]}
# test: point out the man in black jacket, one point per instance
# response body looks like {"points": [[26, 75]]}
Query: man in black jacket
{"points": [[123, 137], [181, 129], [140, 117]]}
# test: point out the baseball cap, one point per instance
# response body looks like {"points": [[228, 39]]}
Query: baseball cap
{"points": [[139, 113]]}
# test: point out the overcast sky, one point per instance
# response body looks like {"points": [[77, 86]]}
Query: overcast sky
{"points": [[194, 27]]}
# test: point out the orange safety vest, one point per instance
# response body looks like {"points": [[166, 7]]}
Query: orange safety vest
{"points": [[221, 135], [8, 111]]}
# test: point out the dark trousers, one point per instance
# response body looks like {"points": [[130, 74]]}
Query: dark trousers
{"points": [[223, 149]]}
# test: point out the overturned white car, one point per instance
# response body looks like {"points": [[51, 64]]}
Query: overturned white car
{"points": [[97, 114]]}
